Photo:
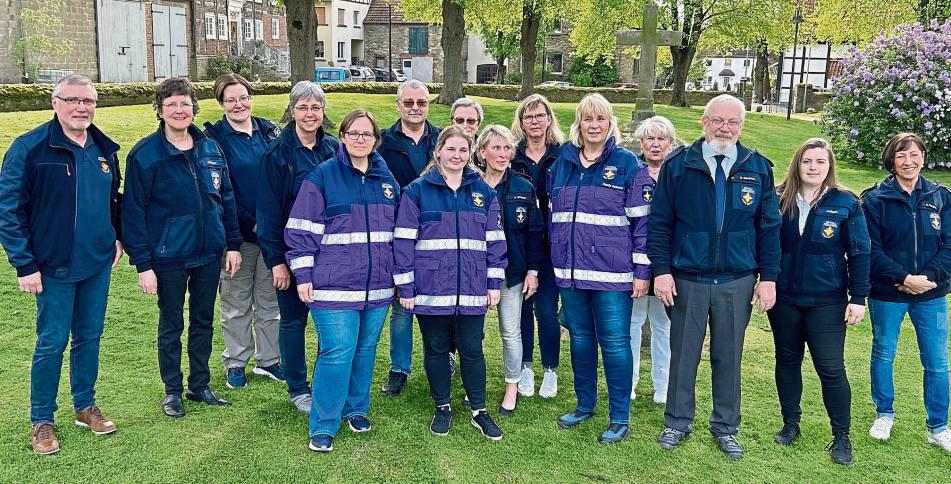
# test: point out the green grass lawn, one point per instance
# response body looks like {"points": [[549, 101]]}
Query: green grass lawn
{"points": [[260, 437]]}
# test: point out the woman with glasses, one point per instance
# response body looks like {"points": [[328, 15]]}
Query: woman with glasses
{"points": [[523, 226], [178, 219], [538, 140], [340, 235], [466, 114], [301, 146], [249, 295], [450, 262]]}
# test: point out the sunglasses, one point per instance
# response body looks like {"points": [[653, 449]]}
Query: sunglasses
{"points": [[409, 103], [469, 121]]}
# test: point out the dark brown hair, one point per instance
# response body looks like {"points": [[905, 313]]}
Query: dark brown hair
{"points": [[354, 115], [222, 83], [900, 142], [174, 86]]}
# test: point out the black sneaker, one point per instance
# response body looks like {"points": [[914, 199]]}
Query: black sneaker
{"points": [[789, 433], [670, 438], [730, 446], [486, 425], [442, 421], [394, 384], [840, 449], [359, 424]]}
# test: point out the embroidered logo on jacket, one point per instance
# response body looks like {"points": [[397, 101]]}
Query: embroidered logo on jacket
{"points": [[216, 179], [647, 193], [935, 221], [104, 165], [748, 193], [828, 229], [478, 199], [387, 190], [610, 172], [520, 213]]}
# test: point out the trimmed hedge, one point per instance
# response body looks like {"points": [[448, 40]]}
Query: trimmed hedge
{"points": [[34, 97]]}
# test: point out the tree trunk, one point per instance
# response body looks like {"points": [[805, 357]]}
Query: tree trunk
{"points": [[531, 21], [301, 40], [682, 56], [761, 73], [500, 70], [453, 35]]}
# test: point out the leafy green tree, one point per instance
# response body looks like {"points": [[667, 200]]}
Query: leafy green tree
{"points": [[40, 42], [597, 74]]}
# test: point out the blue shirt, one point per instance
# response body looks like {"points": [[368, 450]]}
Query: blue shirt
{"points": [[244, 154], [418, 152], [94, 237], [728, 160]]}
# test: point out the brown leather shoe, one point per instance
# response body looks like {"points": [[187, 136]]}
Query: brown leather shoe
{"points": [[93, 419], [43, 439]]}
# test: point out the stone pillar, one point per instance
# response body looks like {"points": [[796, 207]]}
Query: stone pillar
{"points": [[801, 100]]}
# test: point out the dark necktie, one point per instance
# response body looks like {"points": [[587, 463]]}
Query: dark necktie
{"points": [[720, 182]]}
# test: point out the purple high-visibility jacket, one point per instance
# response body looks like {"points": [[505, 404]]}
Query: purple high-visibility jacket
{"points": [[340, 233], [641, 208], [449, 245], [593, 219]]}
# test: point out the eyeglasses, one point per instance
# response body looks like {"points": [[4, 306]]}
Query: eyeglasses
{"points": [[184, 106], [309, 109], [409, 103], [358, 136], [732, 124], [469, 121], [232, 101], [538, 118], [75, 101]]}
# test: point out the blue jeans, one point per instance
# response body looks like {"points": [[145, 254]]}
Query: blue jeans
{"points": [[291, 339], [544, 306], [600, 318], [401, 339], [930, 319], [344, 367], [63, 308]]}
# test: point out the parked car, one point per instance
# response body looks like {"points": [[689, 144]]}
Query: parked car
{"points": [[361, 74], [555, 84], [332, 74], [380, 75]]}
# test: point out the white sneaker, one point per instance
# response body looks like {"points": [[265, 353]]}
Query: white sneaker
{"points": [[882, 428], [549, 386], [660, 397], [526, 383], [633, 394], [302, 402], [941, 439]]}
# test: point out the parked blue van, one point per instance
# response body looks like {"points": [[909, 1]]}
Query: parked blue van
{"points": [[332, 74]]}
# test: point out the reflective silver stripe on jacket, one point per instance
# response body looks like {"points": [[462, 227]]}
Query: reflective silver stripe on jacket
{"points": [[590, 219], [423, 300], [594, 276], [400, 279], [496, 273], [302, 262], [447, 244], [353, 296], [356, 238], [405, 233], [641, 259], [642, 211], [305, 225]]}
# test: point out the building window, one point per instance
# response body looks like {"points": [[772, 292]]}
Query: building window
{"points": [[321, 15], [319, 52], [559, 27], [222, 27], [356, 19], [248, 29], [275, 28], [381, 62], [341, 17], [728, 62], [418, 40], [555, 62], [259, 29], [708, 62], [746, 62], [210, 26], [341, 50]]}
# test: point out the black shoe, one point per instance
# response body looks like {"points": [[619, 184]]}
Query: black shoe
{"points": [[505, 412], [206, 396], [788, 434], [670, 438], [442, 421], [487, 427], [394, 384], [841, 449], [172, 405], [730, 446]]}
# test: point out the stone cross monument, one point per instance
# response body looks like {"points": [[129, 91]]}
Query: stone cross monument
{"points": [[648, 38]]}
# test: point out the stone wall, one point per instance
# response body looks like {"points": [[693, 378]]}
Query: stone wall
{"points": [[376, 44], [79, 26], [807, 98]]}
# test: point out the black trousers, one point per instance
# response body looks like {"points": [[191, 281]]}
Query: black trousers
{"points": [[823, 329], [202, 285], [439, 334]]}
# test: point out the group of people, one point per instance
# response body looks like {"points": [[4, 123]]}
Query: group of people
{"points": [[444, 224]]}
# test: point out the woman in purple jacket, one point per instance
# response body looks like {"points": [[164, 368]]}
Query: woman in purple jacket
{"points": [[340, 236], [450, 262]]}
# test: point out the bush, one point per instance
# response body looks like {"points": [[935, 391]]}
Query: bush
{"points": [[513, 77], [222, 64], [900, 82], [593, 75]]}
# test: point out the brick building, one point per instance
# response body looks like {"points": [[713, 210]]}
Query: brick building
{"points": [[252, 28], [80, 28], [416, 49]]}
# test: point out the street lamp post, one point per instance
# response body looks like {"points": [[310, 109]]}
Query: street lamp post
{"points": [[389, 47], [796, 20]]}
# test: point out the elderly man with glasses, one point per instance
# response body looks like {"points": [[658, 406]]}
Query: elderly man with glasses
{"points": [[407, 147], [57, 174]]}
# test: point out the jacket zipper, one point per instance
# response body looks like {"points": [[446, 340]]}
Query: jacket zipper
{"points": [[574, 217], [914, 224], [366, 215], [455, 196], [201, 205]]}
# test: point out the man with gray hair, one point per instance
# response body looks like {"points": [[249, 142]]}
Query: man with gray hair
{"points": [[406, 147], [713, 229], [62, 172]]}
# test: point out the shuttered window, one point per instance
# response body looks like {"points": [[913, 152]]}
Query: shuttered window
{"points": [[418, 40]]}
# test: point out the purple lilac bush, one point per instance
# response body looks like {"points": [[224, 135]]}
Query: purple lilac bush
{"points": [[900, 82]]}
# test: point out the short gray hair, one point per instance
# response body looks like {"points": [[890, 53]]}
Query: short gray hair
{"points": [[494, 131], [724, 99], [465, 102], [656, 126], [72, 80], [306, 90], [411, 84]]}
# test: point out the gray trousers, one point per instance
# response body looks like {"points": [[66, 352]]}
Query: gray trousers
{"points": [[510, 327], [249, 296], [727, 307]]}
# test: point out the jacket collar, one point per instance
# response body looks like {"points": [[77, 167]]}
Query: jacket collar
{"points": [[573, 153], [169, 149], [57, 138], [377, 166], [469, 176], [695, 156], [290, 139], [890, 188]]}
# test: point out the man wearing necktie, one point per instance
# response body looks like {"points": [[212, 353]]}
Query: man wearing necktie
{"points": [[706, 265]]}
